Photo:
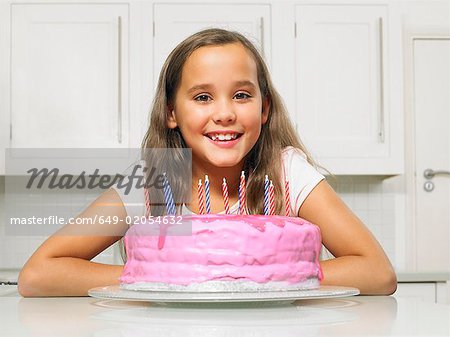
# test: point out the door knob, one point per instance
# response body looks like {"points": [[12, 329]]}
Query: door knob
{"points": [[430, 173]]}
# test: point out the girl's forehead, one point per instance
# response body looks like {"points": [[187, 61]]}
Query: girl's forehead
{"points": [[222, 62]]}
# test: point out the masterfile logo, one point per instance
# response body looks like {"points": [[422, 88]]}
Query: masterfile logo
{"points": [[47, 188]]}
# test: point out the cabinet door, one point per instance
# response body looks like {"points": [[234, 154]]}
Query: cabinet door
{"points": [[175, 22], [342, 115], [68, 78], [424, 291]]}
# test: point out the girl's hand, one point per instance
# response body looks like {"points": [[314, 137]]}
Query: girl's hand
{"points": [[360, 260], [61, 266]]}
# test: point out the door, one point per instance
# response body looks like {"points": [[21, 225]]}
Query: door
{"points": [[175, 22], [68, 75], [342, 87], [431, 106]]}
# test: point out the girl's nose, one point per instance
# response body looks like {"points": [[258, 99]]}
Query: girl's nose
{"points": [[224, 113]]}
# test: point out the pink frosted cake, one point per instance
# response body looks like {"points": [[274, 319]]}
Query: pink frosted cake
{"points": [[225, 253]]}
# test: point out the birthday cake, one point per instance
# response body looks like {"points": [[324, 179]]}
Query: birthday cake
{"points": [[223, 253]]}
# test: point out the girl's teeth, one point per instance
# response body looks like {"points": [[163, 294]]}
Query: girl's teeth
{"points": [[223, 137]]}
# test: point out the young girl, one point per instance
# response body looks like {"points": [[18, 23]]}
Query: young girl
{"points": [[215, 96]]}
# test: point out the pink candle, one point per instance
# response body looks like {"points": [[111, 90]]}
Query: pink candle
{"points": [[201, 198], [287, 197], [242, 194], [271, 199], [147, 203], [225, 196]]}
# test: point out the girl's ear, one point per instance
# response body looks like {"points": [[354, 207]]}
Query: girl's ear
{"points": [[265, 110], [171, 119]]}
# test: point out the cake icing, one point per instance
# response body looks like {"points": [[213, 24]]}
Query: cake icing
{"points": [[224, 253]]}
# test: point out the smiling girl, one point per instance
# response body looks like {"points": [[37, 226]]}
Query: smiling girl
{"points": [[215, 97]]}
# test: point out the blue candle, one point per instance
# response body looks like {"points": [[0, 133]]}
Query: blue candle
{"points": [[208, 203], [266, 195], [239, 200], [168, 197]]}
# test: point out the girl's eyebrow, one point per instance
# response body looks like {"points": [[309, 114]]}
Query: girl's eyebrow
{"points": [[204, 86]]}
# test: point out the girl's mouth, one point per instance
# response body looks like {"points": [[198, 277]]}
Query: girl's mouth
{"points": [[224, 139]]}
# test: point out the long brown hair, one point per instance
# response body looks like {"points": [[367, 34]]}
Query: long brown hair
{"points": [[263, 159]]}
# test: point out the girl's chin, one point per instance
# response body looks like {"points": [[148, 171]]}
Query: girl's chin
{"points": [[224, 162], [221, 158]]}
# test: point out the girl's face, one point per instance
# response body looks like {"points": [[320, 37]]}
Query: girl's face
{"points": [[218, 105]]}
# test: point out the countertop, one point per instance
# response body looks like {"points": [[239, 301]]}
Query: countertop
{"points": [[350, 316], [423, 276]]}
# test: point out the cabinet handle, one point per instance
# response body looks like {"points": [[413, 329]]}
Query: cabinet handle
{"points": [[119, 80], [381, 127], [261, 35]]}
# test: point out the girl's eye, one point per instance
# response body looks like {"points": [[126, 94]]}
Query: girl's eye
{"points": [[242, 95], [202, 98], [205, 98]]}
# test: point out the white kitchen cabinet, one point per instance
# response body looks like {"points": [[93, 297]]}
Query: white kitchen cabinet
{"points": [[424, 291], [344, 110], [435, 292], [69, 75], [174, 22]]}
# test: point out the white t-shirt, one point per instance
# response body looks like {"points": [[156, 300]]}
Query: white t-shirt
{"points": [[302, 177]]}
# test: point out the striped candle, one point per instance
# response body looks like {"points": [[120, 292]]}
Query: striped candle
{"points": [[239, 199], [147, 203], [287, 198], [207, 196], [225, 196], [201, 197], [242, 193], [271, 199], [266, 195], [168, 197]]}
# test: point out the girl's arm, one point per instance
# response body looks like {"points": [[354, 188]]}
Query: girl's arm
{"points": [[61, 266], [360, 261]]}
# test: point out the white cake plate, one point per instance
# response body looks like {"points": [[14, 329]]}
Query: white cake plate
{"points": [[116, 293]]}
